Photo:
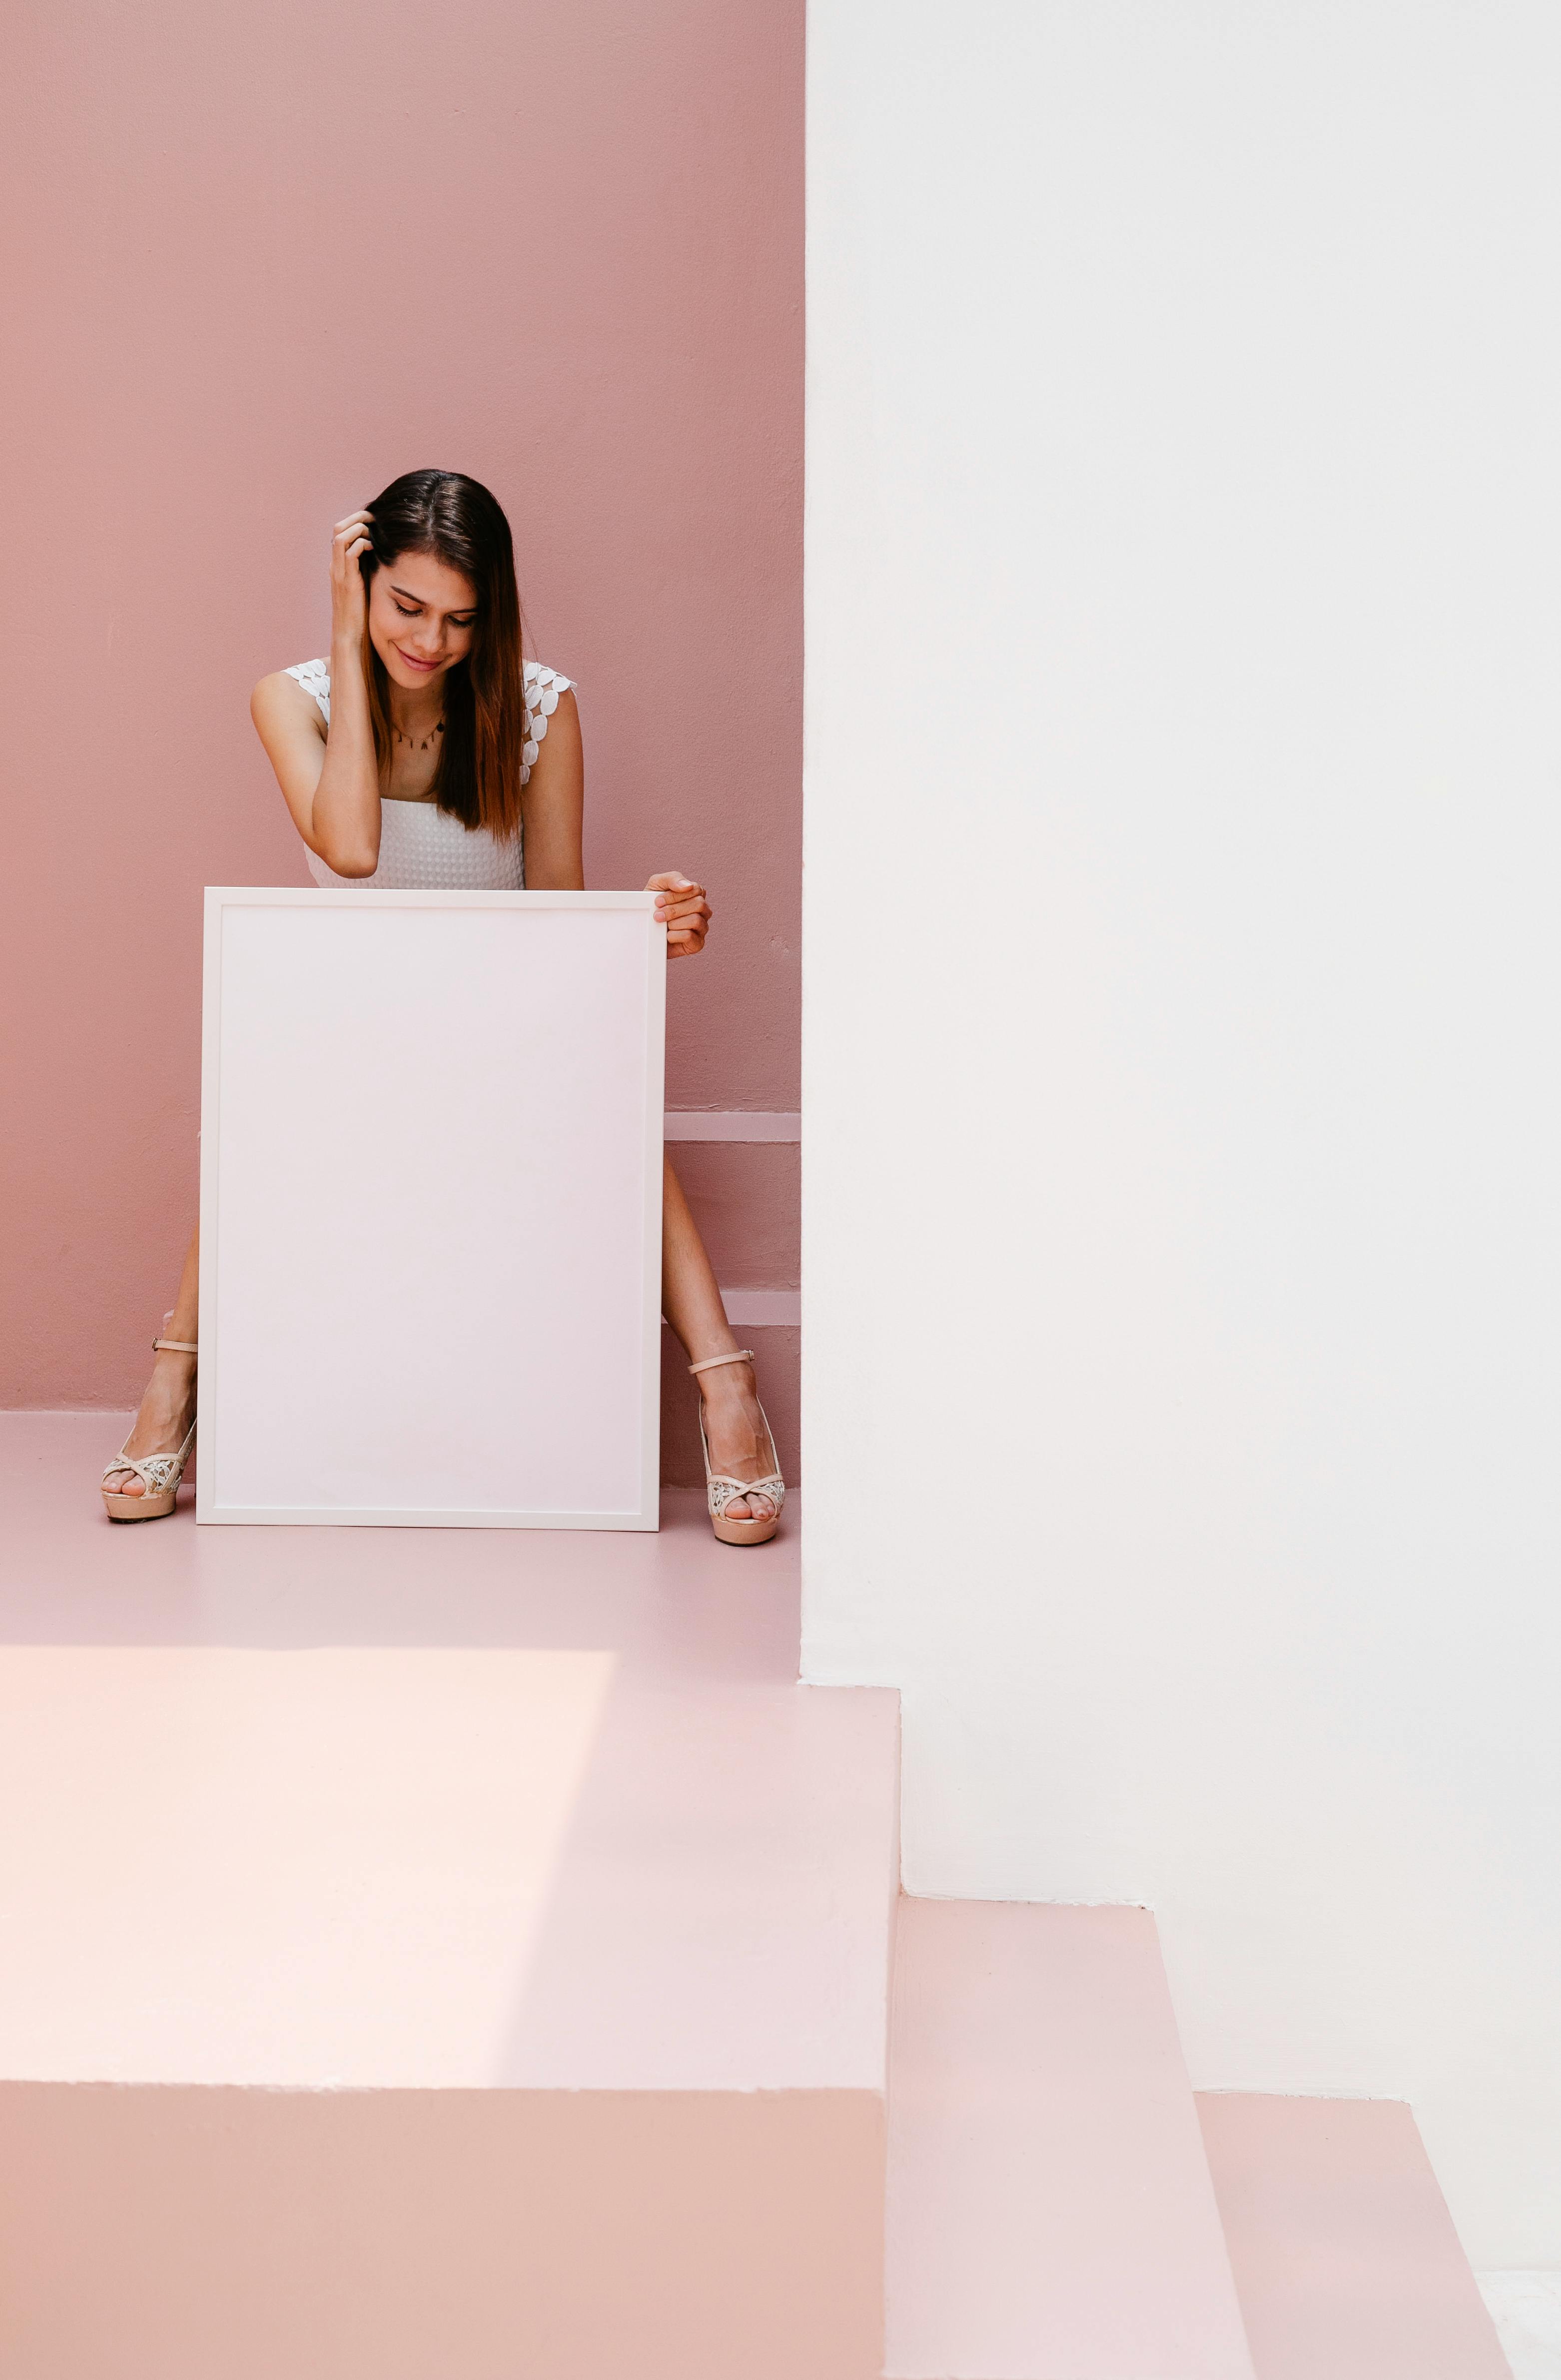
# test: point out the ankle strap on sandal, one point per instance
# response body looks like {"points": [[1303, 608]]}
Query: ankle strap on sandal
{"points": [[175, 1346], [741, 1355]]}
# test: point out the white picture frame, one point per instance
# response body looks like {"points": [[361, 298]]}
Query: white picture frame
{"points": [[430, 1209]]}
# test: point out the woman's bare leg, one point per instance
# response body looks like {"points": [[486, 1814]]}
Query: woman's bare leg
{"points": [[739, 1442], [168, 1406]]}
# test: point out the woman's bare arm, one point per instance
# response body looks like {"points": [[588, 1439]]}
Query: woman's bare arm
{"points": [[553, 806], [331, 783]]}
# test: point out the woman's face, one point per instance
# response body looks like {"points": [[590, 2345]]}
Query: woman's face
{"points": [[422, 616]]}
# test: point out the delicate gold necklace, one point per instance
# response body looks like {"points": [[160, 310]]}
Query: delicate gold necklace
{"points": [[411, 743]]}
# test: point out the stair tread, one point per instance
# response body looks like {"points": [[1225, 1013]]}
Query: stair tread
{"points": [[1345, 2259], [1049, 2206]]}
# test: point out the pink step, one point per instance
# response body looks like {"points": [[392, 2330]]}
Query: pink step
{"points": [[1345, 2255], [1050, 2215], [430, 1951]]}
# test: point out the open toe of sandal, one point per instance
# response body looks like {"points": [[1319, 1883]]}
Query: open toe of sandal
{"points": [[160, 1475]]}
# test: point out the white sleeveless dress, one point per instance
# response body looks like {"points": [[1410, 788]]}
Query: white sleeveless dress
{"points": [[422, 848]]}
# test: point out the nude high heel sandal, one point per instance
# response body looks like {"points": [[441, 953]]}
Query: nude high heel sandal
{"points": [[158, 1473], [722, 1491]]}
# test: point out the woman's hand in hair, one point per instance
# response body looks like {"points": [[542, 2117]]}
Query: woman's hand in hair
{"points": [[349, 595], [684, 911]]}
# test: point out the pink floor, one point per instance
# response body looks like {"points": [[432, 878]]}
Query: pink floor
{"points": [[672, 1604], [466, 1808]]}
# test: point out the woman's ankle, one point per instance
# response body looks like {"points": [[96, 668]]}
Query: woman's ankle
{"points": [[169, 1391]]}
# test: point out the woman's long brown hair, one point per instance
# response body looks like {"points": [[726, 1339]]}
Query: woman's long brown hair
{"points": [[456, 520]]}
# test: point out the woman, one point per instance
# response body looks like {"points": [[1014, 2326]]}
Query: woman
{"points": [[427, 753]]}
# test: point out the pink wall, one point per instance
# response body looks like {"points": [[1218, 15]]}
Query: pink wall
{"points": [[269, 259]]}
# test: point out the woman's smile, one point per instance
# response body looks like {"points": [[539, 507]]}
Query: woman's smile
{"points": [[413, 661]]}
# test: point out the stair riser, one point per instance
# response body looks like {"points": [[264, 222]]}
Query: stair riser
{"points": [[1346, 2258], [1050, 2215], [175, 2233]]}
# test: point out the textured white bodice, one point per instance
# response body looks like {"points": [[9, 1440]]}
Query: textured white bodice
{"points": [[422, 848]]}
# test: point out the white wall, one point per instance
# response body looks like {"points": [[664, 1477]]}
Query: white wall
{"points": [[1183, 1337]]}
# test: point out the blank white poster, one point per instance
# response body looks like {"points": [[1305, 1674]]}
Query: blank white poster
{"points": [[430, 1209]]}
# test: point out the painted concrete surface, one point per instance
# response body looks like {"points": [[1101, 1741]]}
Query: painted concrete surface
{"points": [[547, 1917], [1345, 2255], [445, 2235], [1526, 2308], [709, 1126], [745, 1197], [1190, 591], [566, 253], [548, 1817], [1049, 2206]]}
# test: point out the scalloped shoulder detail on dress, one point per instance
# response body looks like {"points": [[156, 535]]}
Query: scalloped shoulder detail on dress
{"points": [[541, 686], [315, 678]]}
